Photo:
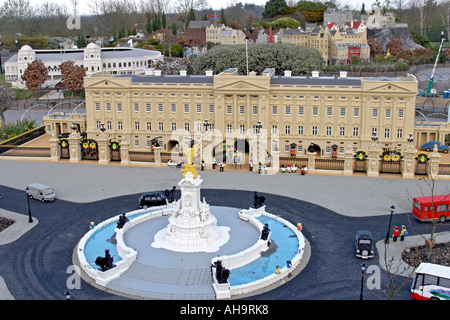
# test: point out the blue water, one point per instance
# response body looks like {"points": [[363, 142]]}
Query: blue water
{"points": [[287, 246], [98, 243]]}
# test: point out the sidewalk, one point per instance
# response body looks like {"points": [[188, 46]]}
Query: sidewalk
{"points": [[394, 252]]}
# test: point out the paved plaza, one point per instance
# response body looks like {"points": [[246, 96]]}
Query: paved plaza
{"points": [[331, 208]]}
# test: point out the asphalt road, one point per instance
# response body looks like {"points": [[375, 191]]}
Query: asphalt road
{"points": [[34, 267]]}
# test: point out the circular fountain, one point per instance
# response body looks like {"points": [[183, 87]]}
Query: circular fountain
{"points": [[191, 241]]}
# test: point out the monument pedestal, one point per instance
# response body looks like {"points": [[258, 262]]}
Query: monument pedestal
{"points": [[192, 227]]}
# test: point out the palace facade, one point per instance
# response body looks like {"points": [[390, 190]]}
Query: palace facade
{"points": [[283, 112]]}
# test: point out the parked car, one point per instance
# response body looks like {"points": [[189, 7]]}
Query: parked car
{"points": [[40, 192], [152, 199], [430, 145], [364, 244]]}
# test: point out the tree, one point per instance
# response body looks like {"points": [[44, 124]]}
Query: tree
{"points": [[73, 75], [375, 47], [7, 96], [281, 56], [35, 75], [273, 8], [395, 46], [223, 19], [174, 28]]}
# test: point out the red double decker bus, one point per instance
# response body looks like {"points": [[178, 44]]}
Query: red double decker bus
{"points": [[432, 208]]}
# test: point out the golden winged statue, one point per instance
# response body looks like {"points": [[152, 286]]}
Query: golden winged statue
{"points": [[191, 153]]}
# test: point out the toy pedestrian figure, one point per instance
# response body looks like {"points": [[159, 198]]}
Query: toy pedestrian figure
{"points": [[221, 167], [250, 167], [277, 270], [259, 168], [203, 165], [395, 234], [403, 233], [299, 226], [214, 163], [91, 225]]}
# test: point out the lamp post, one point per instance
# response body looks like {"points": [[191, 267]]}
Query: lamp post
{"points": [[206, 124], [363, 268], [30, 218], [1, 69], [386, 241]]}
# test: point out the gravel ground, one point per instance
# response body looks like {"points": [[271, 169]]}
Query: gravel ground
{"points": [[439, 255], [5, 223]]}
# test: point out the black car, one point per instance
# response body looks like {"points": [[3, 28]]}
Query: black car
{"points": [[364, 244], [152, 199]]}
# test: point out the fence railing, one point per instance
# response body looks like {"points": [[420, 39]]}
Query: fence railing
{"points": [[24, 151]]}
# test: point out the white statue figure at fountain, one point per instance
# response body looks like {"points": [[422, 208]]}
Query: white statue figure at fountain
{"points": [[192, 227]]}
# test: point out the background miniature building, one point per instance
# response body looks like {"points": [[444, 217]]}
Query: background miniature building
{"points": [[92, 58]]}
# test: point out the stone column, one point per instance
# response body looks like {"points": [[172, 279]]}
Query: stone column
{"points": [[311, 162], [55, 150], [409, 159], [157, 151], [435, 158], [74, 146], [207, 146], [348, 160], [124, 152], [374, 154], [104, 151]]}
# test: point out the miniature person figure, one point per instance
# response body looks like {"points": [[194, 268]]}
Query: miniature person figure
{"points": [[91, 225], [203, 165], [299, 226], [250, 167], [288, 263], [259, 168], [277, 270], [221, 167], [304, 170], [403, 233], [214, 163], [395, 234], [265, 169]]}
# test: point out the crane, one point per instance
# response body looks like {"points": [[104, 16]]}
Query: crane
{"points": [[430, 92]]}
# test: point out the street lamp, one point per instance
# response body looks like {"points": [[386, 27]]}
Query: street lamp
{"points": [[102, 127], [206, 124], [386, 241], [1, 69], [258, 127], [363, 268], [374, 138], [30, 218], [410, 138]]}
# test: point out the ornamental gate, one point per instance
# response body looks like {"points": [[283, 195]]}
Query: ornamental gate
{"points": [[89, 149], [360, 162], [115, 150], [422, 163], [64, 148], [390, 161]]}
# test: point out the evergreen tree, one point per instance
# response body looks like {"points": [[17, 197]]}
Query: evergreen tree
{"points": [[163, 21], [148, 25], [273, 8], [174, 28], [223, 20], [363, 9]]}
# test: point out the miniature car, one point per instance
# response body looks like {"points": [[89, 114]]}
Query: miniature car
{"points": [[152, 199], [364, 244], [430, 145], [40, 192]]}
